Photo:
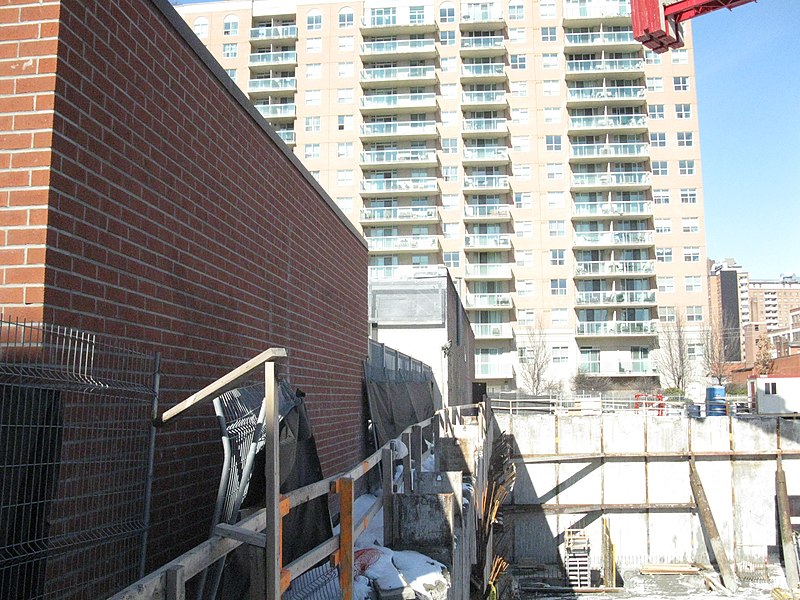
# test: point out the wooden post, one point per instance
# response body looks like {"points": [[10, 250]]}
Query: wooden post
{"points": [[175, 583], [436, 424], [387, 466], [710, 527], [787, 538], [344, 487], [406, 439], [416, 451], [272, 550]]}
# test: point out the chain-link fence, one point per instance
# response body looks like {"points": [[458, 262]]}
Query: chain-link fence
{"points": [[76, 443]]}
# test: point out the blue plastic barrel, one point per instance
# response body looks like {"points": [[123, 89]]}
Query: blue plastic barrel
{"points": [[716, 404], [715, 392]]}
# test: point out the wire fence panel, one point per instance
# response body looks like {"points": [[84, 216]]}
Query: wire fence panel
{"points": [[75, 462]]}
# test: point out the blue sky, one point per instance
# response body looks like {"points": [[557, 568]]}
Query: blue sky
{"points": [[747, 63]]}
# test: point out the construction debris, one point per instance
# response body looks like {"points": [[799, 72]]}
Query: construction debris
{"points": [[673, 569]]}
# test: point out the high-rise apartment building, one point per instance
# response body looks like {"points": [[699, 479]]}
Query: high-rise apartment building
{"points": [[533, 148]]}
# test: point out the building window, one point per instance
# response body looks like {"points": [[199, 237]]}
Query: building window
{"points": [[450, 230], [314, 71], [686, 167], [554, 170], [688, 196], [522, 199], [555, 228], [313, 125], [663, 225], [685, 138], [560, 354], [346, 43], [346, 18], [230, 26], [558, 287], [683, 111], [551, 87], [661, 196], [694, 314], [524, 258], [231, 73], [516, 12], [519, 89], [558, 316], [314, 20], [448, 65], [313, 97], [344, 122], [449, 145], [552, 142], [518, 61], [547, 9], [664, 255], [552, 115], [521, 171], [680, 84], [519, 116], [345, 69], [659, 167], [693, 283], [416, 15], [230, 50], [524, 229], [516, 35], [311, 151], [691, 254], [680, 56], [344, 150], [694, 351], [550, 60], [450, 200], [557, 258], [345, 203], [450, 173], [770, 388], [344, 177], [451, 259], [200, 27], [344, 96], [449, 90], [666, 314], [447, 38], [666, 284], [690, 225], [658, 140], [549, 34], [520, 143], [655, 111], [555, 199], [655, 84], [525, 287], [447, 13]]}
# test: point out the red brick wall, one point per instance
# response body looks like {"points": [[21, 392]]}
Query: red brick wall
{"points": [[176, 221]]}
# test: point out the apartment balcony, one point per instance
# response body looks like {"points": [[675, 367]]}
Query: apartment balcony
{"points": [[492, 331], [392, 25], [486, 183], [609, 12], [407, 49], [487, 241], [610, 239], [277, 86], [397, 272], [487, 213], [485, 100], [614, 95], [497, 370], [605, 123], [483, 73], [485, 155], [620, 298], [276, 112], [484, 127], [415, 130], [605, 152], [482, 20], [615, 268], [398, 103], [412, 157], [287, 135], [618, 40], [617, 328], [619, 369], [274, 59], [480, 46], [624, 208], [281, 33], [399, 186], [488, 271], [501, 301], [581, 69], [404, 214], [633, 179], [403, 243], [394, 76]]}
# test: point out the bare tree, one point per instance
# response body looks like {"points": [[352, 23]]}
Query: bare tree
{"points": [[535, 360], [584, 383], [672, 359], [720, 347]]}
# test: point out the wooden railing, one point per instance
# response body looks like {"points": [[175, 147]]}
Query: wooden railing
{"points": [[264, 527]]}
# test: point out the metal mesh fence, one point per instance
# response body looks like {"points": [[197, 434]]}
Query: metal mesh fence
{"points": [[75, 462]]}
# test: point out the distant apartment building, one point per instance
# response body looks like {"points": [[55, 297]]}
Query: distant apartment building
{"points": [[533, 148]]}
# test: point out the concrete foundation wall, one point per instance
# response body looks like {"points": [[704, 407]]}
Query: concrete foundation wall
{"points": [[557, 494]]}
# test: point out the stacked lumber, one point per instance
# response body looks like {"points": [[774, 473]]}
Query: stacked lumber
{"points": [[676, 569]]}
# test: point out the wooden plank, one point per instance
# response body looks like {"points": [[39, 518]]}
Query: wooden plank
{"points": [[790, 565], [363, 467], [226, 382], [175, 583], [243, 535], [407, 464], [272, 530], [344, 487], [710, 529], [387, 476], [366, 517], [309, 492], [303, 563], [667, 456], [587, 508]]}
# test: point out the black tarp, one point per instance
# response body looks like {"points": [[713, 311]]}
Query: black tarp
{"points": [[395, 405]]}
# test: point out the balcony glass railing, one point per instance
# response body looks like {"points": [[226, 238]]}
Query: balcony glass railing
{"points": [[393, 20], [489, 271], [601, 37], [406, 213], [621, 297], [271, 33], [487, 211], [398, 73], [488, 97], [613, 208], [478, 182], [481, 16], [613, 238], [405, 128], [500, 300], [488, 42], [377, 157], [398, 46], [407, 184], [615, 267], [287, 135], [493, 370], [411, 242], [488, 240], [617, 328], [276, 110], [486, 153], [492, 330], [404, 271], [483, 70], [626, 92], [601, 150], [598, 10], [398, 100], [273, 58], [614, 179], [485, 125], [602, 65], [277, 83], [607, 121]]}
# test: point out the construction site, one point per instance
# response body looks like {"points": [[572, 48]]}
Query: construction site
{"points": [[204, 395]]}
